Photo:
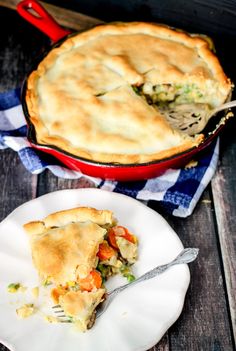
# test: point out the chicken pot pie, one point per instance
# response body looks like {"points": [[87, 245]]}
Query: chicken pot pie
{"points": [[103, 94], [76, 251]]}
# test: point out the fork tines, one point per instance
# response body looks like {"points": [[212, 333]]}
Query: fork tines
{"points": [[58, 309], [62, 317]]}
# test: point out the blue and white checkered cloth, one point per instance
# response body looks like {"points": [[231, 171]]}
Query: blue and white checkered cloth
{"points": [[177, 191]]}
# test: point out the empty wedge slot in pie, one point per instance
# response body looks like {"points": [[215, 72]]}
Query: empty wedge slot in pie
{"points": [[187, 107]]}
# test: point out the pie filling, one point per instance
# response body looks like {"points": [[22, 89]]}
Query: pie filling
{"points": [[172, 94], [75, 258]]}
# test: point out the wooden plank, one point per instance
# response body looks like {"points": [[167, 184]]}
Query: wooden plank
{"points": [[204, 323], [17, 184], [66, 18], [224, 195], [224, 209], [209, 17], [19, 48], [163, 344], [3, 348], [47, 182], [16, 55]]}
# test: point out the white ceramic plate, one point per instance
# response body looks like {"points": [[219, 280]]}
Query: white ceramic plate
{"points": [[135, 321]]}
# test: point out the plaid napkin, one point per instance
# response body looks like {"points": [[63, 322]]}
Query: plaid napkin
{"points": [[177, 191]]}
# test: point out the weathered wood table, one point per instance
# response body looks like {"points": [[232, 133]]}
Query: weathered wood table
{"points": [[208, 320]]}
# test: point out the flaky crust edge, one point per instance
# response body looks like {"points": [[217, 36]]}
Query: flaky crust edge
{"points": [[61, 218]]}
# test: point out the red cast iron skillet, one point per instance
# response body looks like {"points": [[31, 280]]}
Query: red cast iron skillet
{"points": [[33, 12]]}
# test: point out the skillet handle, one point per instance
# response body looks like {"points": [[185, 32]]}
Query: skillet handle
{"points": [[34, 13]]}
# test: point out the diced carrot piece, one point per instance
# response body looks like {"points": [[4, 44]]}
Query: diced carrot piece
{"points": [[112, 238], [93, 280], [120, 231], [57, 292], [105, 251]]}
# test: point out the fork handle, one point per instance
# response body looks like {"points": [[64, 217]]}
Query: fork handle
{"points": [[186, 256]]}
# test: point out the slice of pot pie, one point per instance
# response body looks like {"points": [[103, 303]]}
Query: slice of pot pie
{"points": [[104, 94], [76, 251]]}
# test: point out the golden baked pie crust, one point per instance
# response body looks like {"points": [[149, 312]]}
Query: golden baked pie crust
{"points": [[65, 244], [117, 126], [81, 304]]}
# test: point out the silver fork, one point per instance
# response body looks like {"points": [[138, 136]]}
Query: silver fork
{"points": [[185, 256]]}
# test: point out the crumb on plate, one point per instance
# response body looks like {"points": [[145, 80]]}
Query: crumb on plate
{"points": [[26, 310]]}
